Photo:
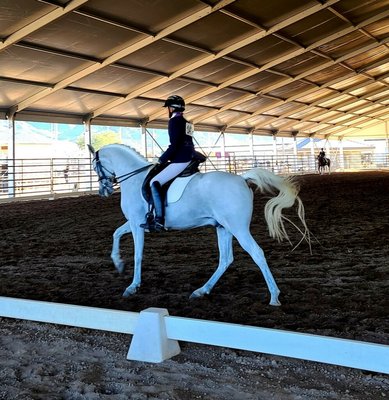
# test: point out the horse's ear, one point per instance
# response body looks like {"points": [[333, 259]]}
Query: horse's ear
{"points": [[91, 149]]}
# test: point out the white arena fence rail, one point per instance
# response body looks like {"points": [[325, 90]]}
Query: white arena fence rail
{"points": [[156, 334], [45, 177], [51, 177]]}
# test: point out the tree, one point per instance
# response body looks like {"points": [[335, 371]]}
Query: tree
{"points": [[100, 139]]}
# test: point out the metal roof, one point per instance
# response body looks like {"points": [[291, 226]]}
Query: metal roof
{"points": [[286, 67]]}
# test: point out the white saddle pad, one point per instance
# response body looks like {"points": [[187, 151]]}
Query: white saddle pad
{"points": [[177, 188]]}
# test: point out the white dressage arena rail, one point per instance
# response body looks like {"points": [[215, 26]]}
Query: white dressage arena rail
{"points": [[156, 334]]}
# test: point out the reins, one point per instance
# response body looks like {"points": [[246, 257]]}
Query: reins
{"points": [[130, 174]]}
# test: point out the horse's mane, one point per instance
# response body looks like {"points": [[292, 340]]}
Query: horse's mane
{"points": [[129, 149]]}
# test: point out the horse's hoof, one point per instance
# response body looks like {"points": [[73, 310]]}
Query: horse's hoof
{"points": [[129, 292], [195, 295]]}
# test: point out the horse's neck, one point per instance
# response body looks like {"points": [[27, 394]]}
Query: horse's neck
{"points": [[125, 160]]}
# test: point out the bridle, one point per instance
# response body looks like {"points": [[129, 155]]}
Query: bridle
{"points": [[114, 180]]}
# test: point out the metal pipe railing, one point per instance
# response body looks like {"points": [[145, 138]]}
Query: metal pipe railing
{"points": [[55, 176]]}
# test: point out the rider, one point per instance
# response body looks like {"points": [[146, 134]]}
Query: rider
{"points": [[180, 152], [322, 154]]}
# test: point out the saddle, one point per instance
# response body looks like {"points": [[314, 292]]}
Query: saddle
{"points": [[191, 169], [323, 160]]}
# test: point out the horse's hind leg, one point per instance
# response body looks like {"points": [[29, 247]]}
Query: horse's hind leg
{"points": [[250, 245], [115, 253], [226, 257]]}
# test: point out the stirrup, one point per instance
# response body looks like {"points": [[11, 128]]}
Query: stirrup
{"points": [[152, 224], [152, 227], [158, 226], [148, 225]]}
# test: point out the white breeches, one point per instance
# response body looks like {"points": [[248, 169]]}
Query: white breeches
{"points": [[170, 172]]}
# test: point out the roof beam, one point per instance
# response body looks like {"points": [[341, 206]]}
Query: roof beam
{"points": [[271, 64], [337, 106], [89, 68], [207, 59], [40, 22], [381, 110], [112, 22], [308, 125], [351, 116], [300, 107], [329, 131], [351, 113], [347, 91], [323, 121], [311, 71], [360, 126], [354, 130], [327, 64], [62, 53], [280, 102], [315, 124]]}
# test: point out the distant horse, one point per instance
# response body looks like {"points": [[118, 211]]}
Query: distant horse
{"points": [[322, 163], [216, 198]]}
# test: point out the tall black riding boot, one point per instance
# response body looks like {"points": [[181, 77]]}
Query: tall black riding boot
{"points": [[159, 208], [155, 224]]}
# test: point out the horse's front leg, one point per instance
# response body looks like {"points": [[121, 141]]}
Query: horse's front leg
{"points": [[138, 235], [115, 253]]}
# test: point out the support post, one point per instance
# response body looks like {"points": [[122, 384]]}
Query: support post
{"points": [[150, 342], [88, 141], [87, 134], [223, 144], [327, 147], [274, 158], [275, 144], [11, 167], [295, 133], [251, 144], [227, 163], [144, 140], [387, 141], [313, 157], [341, 153]]}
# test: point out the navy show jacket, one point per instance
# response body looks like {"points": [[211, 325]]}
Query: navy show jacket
{"points": [[181, 148]]}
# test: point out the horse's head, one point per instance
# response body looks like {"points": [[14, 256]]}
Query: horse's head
{"points": [[114, 164], [103, 167]]}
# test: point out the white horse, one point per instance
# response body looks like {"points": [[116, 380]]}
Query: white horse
{"points": [[219, 199]]}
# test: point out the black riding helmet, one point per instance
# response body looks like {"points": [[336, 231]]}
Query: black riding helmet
{"points": [[176, 102]]}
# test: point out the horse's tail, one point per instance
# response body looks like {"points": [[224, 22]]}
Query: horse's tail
{"points": [[288, 190]]}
